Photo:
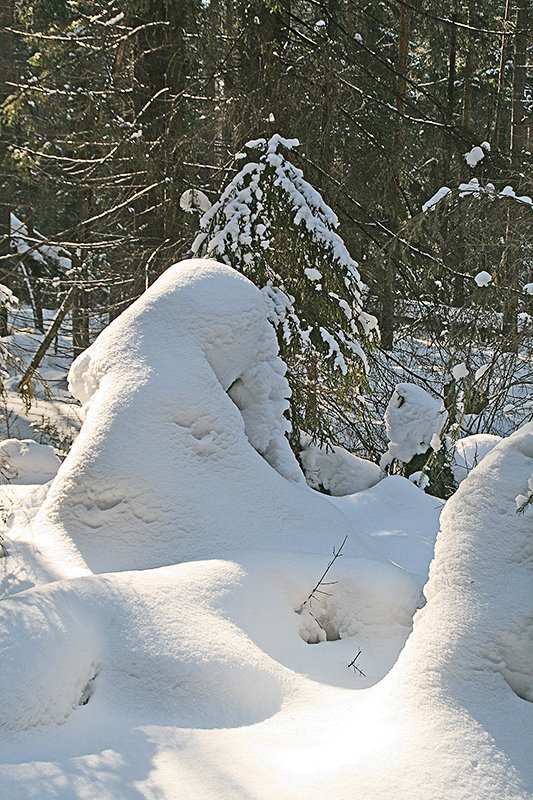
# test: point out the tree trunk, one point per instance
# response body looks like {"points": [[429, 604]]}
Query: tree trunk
{"points": [[466, 118], [451, 101], [403, 60], [511, 261], [518, 112], [388, 296], [47, 341], [80, 312], [34, 289], [498, 122], [6, 76]]}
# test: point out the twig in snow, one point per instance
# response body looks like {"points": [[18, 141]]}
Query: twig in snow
{"points": [[355, 668], [321, 582]]}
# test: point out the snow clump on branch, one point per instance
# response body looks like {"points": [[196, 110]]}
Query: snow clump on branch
{"points": [[414, 421]]}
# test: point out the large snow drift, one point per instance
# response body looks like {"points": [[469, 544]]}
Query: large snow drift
{"points": [[195, 679], [182, 453]]}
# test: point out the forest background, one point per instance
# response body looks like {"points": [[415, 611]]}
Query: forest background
{"points": [[109, 111]]}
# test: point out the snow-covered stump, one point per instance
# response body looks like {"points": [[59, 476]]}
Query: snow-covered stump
{"points": [[462, 683]]}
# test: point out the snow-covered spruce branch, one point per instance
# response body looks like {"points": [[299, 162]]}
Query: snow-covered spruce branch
{"points": [[475, 189], [273, 226]]}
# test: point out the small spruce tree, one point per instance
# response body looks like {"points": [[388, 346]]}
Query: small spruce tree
{"points": [[276, 229]]}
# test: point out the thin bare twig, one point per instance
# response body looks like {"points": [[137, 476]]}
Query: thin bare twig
{"points": [[354, 666], [321, 582]]}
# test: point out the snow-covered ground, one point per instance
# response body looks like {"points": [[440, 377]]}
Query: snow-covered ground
{"points": [[164, 630]]}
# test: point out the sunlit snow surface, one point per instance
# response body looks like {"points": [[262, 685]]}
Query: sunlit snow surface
{"points": [[150, 642]]}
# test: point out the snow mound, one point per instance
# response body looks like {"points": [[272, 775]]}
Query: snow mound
{"points": [[45, 688], [26, 461], [493, 550], [468, 666], [115, 641], [336, 471], [413, 422], [201, 678], [469, 451], [401, 520], [195, 676], [183, 447]]}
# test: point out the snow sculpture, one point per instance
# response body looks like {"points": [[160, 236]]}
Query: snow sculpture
{"points": [[184, 434]]}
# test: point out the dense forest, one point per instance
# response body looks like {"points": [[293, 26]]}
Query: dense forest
{"points": [[413, 121]]}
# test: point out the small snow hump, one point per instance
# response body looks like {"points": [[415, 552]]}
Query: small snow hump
{"points": [[26, 461]]}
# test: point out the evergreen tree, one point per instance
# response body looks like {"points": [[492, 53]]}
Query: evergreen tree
{"points": [[275, 227]]}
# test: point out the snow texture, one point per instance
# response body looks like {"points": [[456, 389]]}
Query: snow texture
{"points": [[413, 423], [469, 451]]}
